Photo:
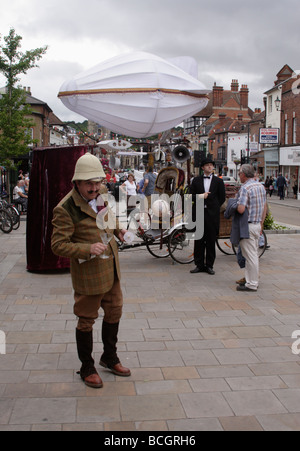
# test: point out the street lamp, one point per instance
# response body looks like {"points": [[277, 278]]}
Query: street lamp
{"points": [[277, 104]]}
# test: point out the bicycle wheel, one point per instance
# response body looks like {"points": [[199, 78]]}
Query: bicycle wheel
{"points": [[225, 246], [262, 248], [6, 222], [263, 242], [15, 216], [157, 248], [181, 248]]}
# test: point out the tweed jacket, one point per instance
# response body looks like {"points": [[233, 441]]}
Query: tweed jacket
{"points": [[74, 230]]}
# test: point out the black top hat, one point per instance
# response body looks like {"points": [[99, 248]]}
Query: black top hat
{"points": [[207, 161]]}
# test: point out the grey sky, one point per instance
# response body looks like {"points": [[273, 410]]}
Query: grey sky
{"points": [[249, 41]]}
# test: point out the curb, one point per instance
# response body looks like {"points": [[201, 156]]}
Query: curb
{"points": [[282, 232]]}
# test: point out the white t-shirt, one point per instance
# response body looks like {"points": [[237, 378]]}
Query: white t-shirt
{"points": [[131, 188], [16, 192]]}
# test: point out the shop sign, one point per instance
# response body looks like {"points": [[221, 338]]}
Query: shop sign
{"points": [[290, 156], [269, 135]]}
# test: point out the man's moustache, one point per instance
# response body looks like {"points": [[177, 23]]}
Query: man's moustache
{"points": [[92, 192]]}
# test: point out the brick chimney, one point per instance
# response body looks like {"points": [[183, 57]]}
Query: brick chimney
{"points": [[217, 95], [235, 86], [222, 117], [244, 94]]}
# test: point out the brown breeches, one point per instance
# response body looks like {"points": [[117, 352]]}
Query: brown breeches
{"points": [[86, 308]]}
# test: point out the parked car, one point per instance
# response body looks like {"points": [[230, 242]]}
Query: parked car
{"points": [[229, 180]]}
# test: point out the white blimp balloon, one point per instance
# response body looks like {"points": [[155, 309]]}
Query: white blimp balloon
{"points": [[136, 94]]}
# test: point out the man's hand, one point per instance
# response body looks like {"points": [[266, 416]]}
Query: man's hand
{"points": [[98, 248], [121, 235], [241, 209]]}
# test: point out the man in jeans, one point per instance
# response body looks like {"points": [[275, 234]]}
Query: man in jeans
{"points": [[149, 185], [252, 196]]}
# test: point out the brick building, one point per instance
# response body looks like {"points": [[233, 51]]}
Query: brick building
{"points": [[227, 114], [231, 103], [41, 116], [289, 107]]}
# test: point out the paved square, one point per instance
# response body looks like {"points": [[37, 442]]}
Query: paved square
{"points": [[203, 356]]}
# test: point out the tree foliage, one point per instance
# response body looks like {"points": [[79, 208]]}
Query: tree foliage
{"points": [[15, 124]]}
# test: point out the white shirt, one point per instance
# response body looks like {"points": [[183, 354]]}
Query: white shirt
{"points": [[207, 183], [93, 204], [16, 192], [131, 188]]}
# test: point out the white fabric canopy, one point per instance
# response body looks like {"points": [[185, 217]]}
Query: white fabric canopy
{"points": [[136, 94]]}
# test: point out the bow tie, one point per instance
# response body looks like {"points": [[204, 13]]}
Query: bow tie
{"points": [[206, 176]]}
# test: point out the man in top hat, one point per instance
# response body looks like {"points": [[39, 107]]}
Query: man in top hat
{"points": [[96, 281], [205, 249]]}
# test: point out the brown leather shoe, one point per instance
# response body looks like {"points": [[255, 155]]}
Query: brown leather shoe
{"points": [[93, 381], [241, 281], [118, 369]]}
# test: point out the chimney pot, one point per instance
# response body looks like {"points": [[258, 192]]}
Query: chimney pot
{"points": [[244, 93], [235, 86]]}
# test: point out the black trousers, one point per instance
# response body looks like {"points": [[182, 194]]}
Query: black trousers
{"points": [[205, 249], [281, 192]]}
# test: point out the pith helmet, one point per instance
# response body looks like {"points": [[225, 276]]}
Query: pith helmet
{"points": [[88, 167]]}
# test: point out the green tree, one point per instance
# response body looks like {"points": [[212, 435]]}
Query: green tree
{"points": [[15, 123]]}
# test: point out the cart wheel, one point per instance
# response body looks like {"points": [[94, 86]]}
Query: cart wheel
{"points": [[181, 247], [225, 246], [157, 250]]}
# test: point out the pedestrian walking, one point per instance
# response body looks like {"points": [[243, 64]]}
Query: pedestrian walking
{"points": [[281, 184], [295, 186], [214, 188], [96, 281], [271, 186], [288, 181], [267, 183], [252, 196]]}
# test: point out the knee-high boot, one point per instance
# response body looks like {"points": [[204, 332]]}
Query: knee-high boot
{"points": [[109, 357], [88, 371]]}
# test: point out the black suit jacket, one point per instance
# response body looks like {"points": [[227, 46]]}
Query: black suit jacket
{"points": [[215, 199]]}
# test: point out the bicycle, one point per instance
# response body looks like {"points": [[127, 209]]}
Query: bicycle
{"points": [[6, 222], [12, 210]]}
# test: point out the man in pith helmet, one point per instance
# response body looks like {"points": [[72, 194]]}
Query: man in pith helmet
{"points": [[96, 281]]}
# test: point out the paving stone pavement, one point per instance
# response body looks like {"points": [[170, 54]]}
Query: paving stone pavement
{"points": [[203, 356]]}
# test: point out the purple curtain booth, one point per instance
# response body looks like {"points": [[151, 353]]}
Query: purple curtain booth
{"points": [[50, 180]]}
